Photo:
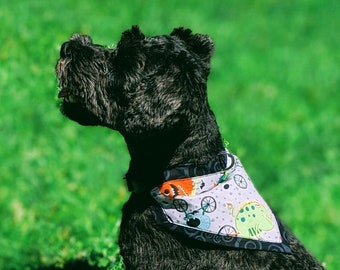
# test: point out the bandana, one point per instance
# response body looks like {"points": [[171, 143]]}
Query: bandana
{"points": [[221, 207]]}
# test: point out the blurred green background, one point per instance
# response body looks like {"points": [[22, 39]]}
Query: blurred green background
{"points": [[274, 88]]}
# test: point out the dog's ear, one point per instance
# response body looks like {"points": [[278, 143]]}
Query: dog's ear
{"points": [[200, 44], [134, 34], [128, 48], [130, 39]]}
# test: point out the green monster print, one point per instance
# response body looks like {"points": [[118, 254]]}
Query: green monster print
{"points": [[251, 219]]}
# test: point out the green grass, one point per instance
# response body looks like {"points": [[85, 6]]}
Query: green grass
{"points": [[274, 89]]}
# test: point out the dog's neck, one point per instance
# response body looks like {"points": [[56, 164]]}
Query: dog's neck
{"points": [[152, 155]]}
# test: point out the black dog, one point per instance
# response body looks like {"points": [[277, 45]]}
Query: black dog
{"points": [[192, 204]]}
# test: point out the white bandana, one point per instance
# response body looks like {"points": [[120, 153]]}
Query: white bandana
{"points": [[221, 208]]}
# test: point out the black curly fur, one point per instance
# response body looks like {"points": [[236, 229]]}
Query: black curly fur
{"points": [[153, 91]]}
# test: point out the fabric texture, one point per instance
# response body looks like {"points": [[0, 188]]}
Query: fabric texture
{"points": [[222, 207]]}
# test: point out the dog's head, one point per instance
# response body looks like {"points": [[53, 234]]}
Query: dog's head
{"points": [[143, 85]]}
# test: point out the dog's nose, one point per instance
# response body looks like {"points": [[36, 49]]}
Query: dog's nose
{"points": [[65, 50]]}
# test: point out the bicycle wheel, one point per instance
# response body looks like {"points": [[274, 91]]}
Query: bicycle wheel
{"points": [[240, 181], [208, 204], [180, 205], [227, 230]]}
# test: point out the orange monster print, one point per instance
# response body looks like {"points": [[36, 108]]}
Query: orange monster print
{"points": [[181, 187]]}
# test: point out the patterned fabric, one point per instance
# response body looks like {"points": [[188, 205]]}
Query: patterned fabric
{"points": [[215, 165], [222, 208]]}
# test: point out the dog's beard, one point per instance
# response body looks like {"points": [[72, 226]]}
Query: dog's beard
{"points": [[78, 113]]}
